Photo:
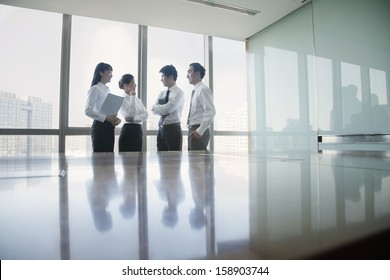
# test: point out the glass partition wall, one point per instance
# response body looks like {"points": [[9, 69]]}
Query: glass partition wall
{"points": [[319, 84]]}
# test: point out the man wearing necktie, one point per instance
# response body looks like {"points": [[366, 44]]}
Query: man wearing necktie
{"points": [[202, 110], [169, 107]]}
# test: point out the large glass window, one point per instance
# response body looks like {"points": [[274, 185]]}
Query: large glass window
{"points": [[95, 41], [351, 96], [30, 74], [379, 118], [281, 77], [230, 85], [29, 78], [29, 96], [378, 87], [323, 77], [282, 96], [230, 94], [167, 47]]}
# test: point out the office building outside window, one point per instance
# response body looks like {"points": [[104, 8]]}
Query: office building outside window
{"points": [[29, 84], [230, 94]]}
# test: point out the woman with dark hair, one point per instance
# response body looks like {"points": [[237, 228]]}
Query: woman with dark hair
{"points": [[103, 126], [134, 112]]}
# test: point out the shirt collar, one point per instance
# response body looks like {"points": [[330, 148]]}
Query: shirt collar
{"points": [[198, 85], [172, 87], [101, 85]]}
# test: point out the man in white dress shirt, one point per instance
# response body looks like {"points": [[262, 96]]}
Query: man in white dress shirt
{"points": [[202, 110], [169, 106]]}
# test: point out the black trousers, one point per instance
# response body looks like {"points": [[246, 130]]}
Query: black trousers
{"points": [[130, 139], [170, 138], [198, 144], [103, 137]]}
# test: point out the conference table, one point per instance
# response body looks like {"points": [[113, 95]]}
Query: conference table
{"points": [[195, 206]]}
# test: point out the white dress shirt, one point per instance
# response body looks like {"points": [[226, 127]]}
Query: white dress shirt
{"points": [[132, 107], [95, 99], [173, 108], [202, 109]]}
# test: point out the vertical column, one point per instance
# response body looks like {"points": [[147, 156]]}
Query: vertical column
{"points": [[306, 196], [337, 111], [64, 81], [211, 243], [387, 73], [143, 233], [366, 100], [257, 109], [259, 234], [64, 210], [142, 202], [142, 72], [372, 179], [209, 65], [304, 108]]}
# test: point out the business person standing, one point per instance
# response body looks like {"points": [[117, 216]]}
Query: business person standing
{"points": [[202, 110], [134, 112], [103, 126], [169, 106]]}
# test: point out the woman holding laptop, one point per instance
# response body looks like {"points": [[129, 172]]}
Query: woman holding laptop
{"points": [[103, 126]]}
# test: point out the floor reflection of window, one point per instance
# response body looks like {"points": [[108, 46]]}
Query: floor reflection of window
{"points": [[231, 203]]}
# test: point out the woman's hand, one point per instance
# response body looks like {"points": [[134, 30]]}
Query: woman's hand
{"points": [[129, 119], [113, 119], [118, 121]]}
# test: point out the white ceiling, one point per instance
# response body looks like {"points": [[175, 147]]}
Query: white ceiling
{"points": [[176, 14]]}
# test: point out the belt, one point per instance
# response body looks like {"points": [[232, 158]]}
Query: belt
{"points": [[171, 124], [132, 124]]}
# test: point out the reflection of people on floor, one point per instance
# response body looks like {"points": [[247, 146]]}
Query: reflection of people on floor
{"points": [[170, 186], [201, 182], [128, 187], [101, 189], [352, 183]]}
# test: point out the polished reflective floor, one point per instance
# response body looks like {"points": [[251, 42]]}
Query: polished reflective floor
{"points": [[191, 205]]}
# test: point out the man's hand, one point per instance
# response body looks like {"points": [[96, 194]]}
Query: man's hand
{"points": [[196, 135]]}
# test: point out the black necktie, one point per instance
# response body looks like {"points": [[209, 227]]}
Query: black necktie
{"points": [[162, 118], [189, 111]]}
